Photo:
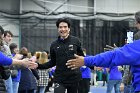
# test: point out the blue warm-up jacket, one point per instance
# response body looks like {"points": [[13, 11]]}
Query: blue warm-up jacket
{"points": [[115, 74], [86, 72], [4, 60], [129, 54]]}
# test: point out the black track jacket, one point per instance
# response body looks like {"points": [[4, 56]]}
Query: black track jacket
{"points": [[61, 51]]}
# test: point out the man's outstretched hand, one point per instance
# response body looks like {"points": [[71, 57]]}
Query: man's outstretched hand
{"points": [[33, 64], [108, 47], [75, 63]]}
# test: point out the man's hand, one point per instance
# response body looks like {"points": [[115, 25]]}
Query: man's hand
{"points": [[29, 64], [18, 56], [32, 65], [108, 47], [75, 63], [33, 59]]}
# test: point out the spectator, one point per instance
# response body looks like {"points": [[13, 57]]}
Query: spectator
{"points": [[126, 55], [115, 78], [28, 83], [43, 73], [15, 79], [84, 84], [4, 60]]}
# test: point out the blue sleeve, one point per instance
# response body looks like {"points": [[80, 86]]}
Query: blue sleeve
{"points": [[4, 60], [50, 74], [126, 55], [83, 68]]}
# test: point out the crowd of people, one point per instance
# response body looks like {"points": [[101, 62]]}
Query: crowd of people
{"points": [[69, 68]]}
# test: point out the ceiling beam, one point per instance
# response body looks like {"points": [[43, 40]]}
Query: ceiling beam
{"points": [[41, 5]]}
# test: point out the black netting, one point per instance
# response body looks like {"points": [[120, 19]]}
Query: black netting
{"points": [[37, 34]]}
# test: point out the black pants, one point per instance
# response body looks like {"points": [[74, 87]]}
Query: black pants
{"points": [[84, 85], [104, 78], [50, 83], [60, 88]]}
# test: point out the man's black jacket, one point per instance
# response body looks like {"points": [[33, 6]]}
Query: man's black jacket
{"points": [[61, 51]]}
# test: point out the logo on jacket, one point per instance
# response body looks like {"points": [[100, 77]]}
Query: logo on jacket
{"points": [[71, 47]]}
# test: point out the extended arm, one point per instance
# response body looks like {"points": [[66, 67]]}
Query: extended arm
{"points": [[126, 55], [51, 62], [46, 65], [4, 60]]}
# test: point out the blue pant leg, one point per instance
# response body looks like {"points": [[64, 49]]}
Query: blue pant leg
{"points": [[117, 86], [41, 89], [15, 86], [110, 85], [9, 85]]}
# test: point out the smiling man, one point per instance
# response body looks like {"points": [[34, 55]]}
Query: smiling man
{"points": [[61, 51]]}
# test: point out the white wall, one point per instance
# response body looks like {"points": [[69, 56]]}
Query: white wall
{"points": [[9, 5], [117, 6]]}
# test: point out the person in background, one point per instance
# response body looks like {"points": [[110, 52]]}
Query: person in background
{"points": [[16, 79], [61, 51], [126, 55], [6, 50], [115, 78], [94, 76], [126, 84], [84, 84], [43, 73], [28, 82], [14, 49], [51, 79], [2, 84], [104, 75], [4, 60]]}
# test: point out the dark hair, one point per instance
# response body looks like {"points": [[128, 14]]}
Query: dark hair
{"points": [[1, 30], [12, 47], [24, 51], [66, 20], [137, 17], [8, 32], [1, 33]]}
